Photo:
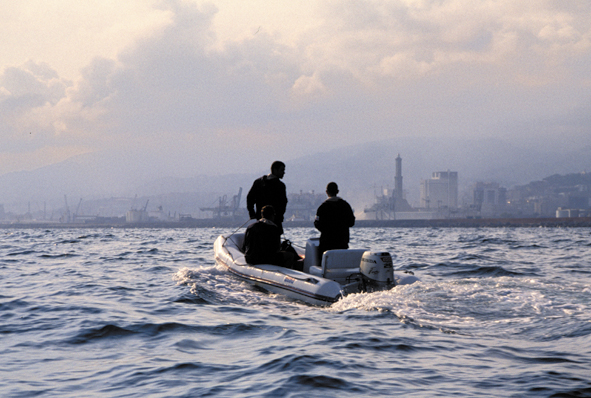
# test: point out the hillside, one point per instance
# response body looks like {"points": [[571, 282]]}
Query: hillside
{"points": [[360, 171]]}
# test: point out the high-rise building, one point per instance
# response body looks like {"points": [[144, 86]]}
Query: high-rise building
{"points": [[489, 199], [441, 190]]}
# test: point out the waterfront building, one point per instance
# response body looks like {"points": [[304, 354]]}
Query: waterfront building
{"points": [[302, 206], [489, 199], [441, 190]]}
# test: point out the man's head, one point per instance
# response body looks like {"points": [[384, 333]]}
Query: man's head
{"points": [[278, 169], [268, 212], [332, 189]]}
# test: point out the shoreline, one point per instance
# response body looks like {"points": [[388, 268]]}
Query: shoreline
{"points": [[579, 222]]}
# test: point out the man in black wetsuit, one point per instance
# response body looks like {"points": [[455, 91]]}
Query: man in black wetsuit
{"points": [[262, 242], [334, 217], [269, 190]]}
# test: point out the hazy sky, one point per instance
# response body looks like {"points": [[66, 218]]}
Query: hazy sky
{"points": [[204, 87]]}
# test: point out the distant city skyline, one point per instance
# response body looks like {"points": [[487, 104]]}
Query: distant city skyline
{"points": [[569, 194]]}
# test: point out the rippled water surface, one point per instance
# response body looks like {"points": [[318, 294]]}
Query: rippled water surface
{"points": [[145, 312]]}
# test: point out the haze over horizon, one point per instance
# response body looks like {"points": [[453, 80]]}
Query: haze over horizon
{"points": [[186, 88]]}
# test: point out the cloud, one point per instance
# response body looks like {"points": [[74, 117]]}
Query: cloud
{"points": [[68, 34], [32, 85], [191, 95], [307, 87], [24, 92], [524, 38]]}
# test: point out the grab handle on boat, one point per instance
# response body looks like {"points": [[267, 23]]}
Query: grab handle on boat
{"points": [[236, 230]]}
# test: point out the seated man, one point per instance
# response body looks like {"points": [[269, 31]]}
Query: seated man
{"points": [[262, 242]]}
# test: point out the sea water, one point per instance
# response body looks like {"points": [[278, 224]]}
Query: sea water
{"points": [[146, 313]]}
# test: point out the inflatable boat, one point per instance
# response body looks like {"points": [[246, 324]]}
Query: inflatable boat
{"points": [[322, 282]]}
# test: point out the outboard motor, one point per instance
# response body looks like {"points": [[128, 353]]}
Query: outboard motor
{"points": [[377, 271]]}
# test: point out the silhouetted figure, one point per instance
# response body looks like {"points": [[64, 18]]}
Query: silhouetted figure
{"points": [[262, 242], [334, 217], [269, 190]]}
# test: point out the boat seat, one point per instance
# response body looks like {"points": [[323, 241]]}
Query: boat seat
{"points": [[311, 255], [234, 245], [237, 240], [339, 264], [237, 255]]}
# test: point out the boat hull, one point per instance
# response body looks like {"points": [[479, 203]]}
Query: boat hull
{"points": [[320, 286], [291, 283]]}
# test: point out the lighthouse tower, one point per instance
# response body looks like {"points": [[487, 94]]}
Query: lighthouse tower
{"points": [[390, 202], [398, 179]]}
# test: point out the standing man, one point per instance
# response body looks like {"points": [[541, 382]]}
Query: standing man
{"points": [[269, 190], [333, 219]]}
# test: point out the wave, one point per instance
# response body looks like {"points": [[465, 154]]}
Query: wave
{"points": [[191, 299], [21, 253], [111, 331], [13, 305], [527, 246], [61, 255], [105, 332], [498, 312], [471, 271], [68, 241], [315, 384], [528, 356], [115, 332]]}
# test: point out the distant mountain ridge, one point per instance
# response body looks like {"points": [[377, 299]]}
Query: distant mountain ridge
{"points": [[359, 170]]}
